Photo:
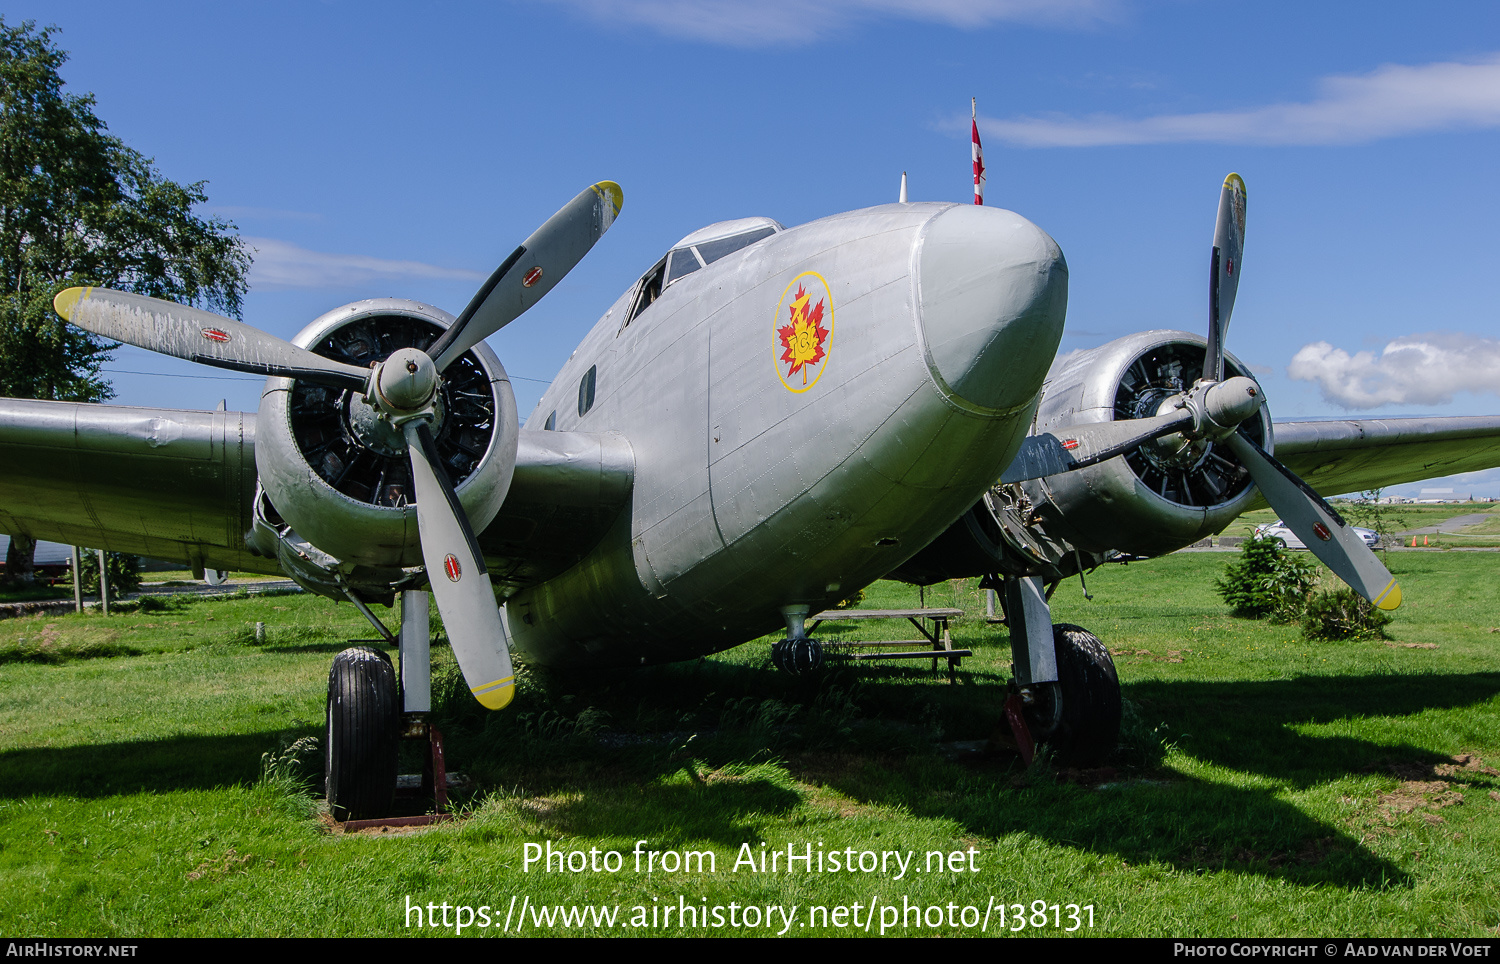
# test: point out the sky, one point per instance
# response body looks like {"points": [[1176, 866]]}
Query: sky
{"points": [[377, 149]]}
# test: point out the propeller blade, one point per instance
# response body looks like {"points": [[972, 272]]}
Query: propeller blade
{"points": [[1229, 247], [199, 336], [1085, 444], [1319, 527], [532, 269], [460, 581]]}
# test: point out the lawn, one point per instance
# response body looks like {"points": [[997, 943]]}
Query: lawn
{"points": [[1265, 785]]}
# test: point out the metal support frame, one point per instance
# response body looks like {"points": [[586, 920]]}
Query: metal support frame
{"points": [[365, 611], [1029, 616], [796, 620], [414, 646]]}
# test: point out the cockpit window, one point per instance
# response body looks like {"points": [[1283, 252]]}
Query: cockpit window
{"points": [[714, 250], [687, 258], [682, 262], [647, 292]]}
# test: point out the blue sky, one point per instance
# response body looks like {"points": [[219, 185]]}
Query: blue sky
{"points": [[381, 149]]}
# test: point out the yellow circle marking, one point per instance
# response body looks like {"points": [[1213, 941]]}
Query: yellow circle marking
{"points": [[795, 333]]}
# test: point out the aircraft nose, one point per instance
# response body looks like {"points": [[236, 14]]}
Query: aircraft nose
{"points": [[992, 293]]}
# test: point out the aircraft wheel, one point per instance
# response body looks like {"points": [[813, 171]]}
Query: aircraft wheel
{"points": [[797, 656], [1079, 715], [364, 718]]}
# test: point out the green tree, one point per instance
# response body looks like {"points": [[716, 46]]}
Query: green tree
{"points": [[1383, 518], [79, 207], [1266, 580]]}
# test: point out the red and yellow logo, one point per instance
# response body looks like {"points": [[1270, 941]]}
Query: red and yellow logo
{"points": [[803, 331]]}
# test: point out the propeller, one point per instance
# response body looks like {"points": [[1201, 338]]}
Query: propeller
{"points": [[1212, 411], [403, 388], [1224, 277]]}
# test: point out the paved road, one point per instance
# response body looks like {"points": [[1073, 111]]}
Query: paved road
{"points": [[1450, 524]]}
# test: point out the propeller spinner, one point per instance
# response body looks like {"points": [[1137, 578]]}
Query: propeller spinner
{"points": [[403, 389]]}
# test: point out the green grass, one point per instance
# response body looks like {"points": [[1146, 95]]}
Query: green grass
{"points": [[36, 592], [1267, 785]]}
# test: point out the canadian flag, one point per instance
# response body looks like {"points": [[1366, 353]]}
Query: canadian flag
{"points": [[978, 154]]}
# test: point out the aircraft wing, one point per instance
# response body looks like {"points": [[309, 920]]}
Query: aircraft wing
{"points": [[162, 483], [1352, 455], [179, 485]]}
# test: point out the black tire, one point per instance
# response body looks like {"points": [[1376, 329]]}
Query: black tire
{"points": [[1079, 715], [797, 656], [364, 719]]}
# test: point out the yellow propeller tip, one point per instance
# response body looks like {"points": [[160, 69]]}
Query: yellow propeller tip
{"points": [[1389, 599], [66, 301], [496, 695], [611, 192]]}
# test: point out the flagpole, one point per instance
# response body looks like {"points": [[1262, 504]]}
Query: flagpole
{"points": [[977, 151]]}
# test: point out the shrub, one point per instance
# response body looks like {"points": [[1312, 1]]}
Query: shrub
{"points": [[124, 572], [1266, 580], [1343, 614], [1381, 517]]}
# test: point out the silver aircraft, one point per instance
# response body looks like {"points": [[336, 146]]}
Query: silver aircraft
{"points": [[770, 419]]}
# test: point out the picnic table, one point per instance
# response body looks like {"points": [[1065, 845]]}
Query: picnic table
{"points": [[937, 641]]}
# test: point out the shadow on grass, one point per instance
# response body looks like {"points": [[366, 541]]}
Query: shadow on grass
{"points": [[679, 753], [873, 737], [152, 766]]}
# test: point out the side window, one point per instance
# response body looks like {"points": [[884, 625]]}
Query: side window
{"points": [[586, 391], [551, 424], [650, 290]]}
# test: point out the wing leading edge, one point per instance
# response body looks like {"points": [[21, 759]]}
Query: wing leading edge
{"points": [[1352, 455], [180, 485]]}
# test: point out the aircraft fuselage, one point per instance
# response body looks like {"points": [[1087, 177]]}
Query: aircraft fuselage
{"points": [[804, 414]]}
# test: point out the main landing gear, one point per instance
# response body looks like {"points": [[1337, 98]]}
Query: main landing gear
{"points": [[1065, 679], [364, 720], [369, 712]]}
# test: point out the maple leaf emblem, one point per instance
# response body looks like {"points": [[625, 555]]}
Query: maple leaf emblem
{"points": [[803, 338]]}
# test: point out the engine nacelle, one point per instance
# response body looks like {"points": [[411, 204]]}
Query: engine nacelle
{"points": [[1153, 500], [1157, 499], [337, 477]]}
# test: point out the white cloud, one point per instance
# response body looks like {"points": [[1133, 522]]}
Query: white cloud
{"points": [[1391, 101], [1424, 369], [281, 264], [758, 23]]}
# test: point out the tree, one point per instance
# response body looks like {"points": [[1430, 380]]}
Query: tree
{"points": [[1369, 511], [79, 207], [1266, 580]]}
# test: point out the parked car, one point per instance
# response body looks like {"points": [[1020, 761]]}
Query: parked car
{"points": [[1290, 539]]}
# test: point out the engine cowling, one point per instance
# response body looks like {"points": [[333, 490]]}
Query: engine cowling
{"points": [[335, 478], [1156, 499]]}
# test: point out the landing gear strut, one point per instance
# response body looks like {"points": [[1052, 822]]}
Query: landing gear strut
{"points": [[368, 712], [1078, 714], [1069, 689], [797, 654]]}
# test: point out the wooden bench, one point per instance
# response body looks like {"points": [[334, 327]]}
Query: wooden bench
{"points": [[938, 642]]}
